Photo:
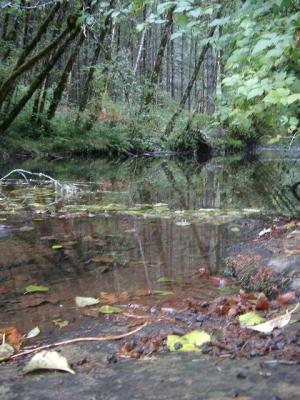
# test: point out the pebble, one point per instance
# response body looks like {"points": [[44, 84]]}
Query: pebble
{"points": [[241, 375], [111, 359]]}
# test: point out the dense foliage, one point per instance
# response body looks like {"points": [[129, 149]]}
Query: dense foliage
{"points": [[124, 76]]}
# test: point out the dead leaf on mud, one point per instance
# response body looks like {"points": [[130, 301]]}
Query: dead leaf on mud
{"points": [[264, 232], [50, 360], [33, 333], [113, 298], [278, 322], [262, 303], [102, 259], [3, 290], [86, 301], [6, 351], [142, 292], [12, 337], [37, 299], [286, 298]]}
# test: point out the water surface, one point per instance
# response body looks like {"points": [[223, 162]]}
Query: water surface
{"points": [[124, 225]]}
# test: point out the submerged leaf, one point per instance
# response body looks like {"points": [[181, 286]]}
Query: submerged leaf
{"points": [[110, 309], [192, 341], [51, 360], [36, 289], [250, 319], [86, 301], [56, 246], [166, 279], [163, 292], [61, 323]]}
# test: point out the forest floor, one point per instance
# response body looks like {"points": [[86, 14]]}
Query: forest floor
{"points": [[237, 363]]}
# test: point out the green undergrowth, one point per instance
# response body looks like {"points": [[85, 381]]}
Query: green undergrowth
{"points": [[121, 132]]}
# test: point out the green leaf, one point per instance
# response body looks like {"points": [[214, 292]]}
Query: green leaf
{"points": [[110, 309], [292, 98], [254, 93], [192, 341], [61, 323], [274, 140], [140, 27], [163, 292], [56, 246], [36, 289], [250, 318], [261, 45]]}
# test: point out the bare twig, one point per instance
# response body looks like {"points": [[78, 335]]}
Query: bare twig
{"points": [[22, 172], [76, 340]]}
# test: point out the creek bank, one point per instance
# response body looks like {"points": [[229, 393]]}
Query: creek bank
{"points": [[167, 376], [270, 261]]}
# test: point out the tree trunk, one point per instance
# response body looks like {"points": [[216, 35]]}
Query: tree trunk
{"points": [[36, 39], [8, 84], [58, 92], [87, 86], [148, 96], [37, 82], [171, 124]]}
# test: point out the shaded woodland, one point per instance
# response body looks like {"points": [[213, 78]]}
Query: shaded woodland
{"points": [[134, 76]]}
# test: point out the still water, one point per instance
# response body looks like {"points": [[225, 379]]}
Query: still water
{"points": [[122, 226]]}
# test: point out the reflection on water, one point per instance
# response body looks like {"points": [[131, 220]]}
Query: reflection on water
{"points": [[110, 252]]}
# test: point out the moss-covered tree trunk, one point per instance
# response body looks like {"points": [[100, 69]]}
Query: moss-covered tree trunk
{"points": [[149, 90], [58, 92], [37, 82], [87, 85], [8, 84], [188, 90]]}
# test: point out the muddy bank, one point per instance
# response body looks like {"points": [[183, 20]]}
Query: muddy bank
{"points": [[165, 376], [270, 261]]}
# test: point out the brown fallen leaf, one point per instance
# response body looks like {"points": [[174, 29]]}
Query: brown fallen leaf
{"points": [[3, 290], [286, 298], [262, 303], [102, 259], [12, 337], [142, 292], [113, 298]]}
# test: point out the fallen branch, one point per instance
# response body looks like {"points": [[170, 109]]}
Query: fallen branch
{"points": [[23, 173], [76, 340]]}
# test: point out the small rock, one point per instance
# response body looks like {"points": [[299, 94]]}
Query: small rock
{"points": [[205, 348], [200, 318], [241, 375], [111, 359], [177, 346]]}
